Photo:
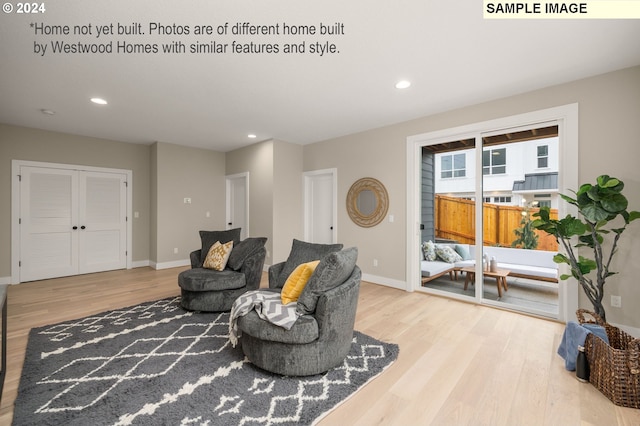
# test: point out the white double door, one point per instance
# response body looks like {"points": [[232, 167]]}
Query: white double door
{"points": [[71, 222]]}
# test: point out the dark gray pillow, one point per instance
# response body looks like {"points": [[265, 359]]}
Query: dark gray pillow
{"points": [[243, 250], [303, 252], [332, 271], [209, 238]]}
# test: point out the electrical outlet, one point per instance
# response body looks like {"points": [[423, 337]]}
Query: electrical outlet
{"points": [[187, 200], [616, 301], [175, 250], [375, 262]]}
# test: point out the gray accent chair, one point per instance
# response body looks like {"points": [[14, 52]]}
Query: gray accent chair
{"points": [[208, 290], [321, 337]]}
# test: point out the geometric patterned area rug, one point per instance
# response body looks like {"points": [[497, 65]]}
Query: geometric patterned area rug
{"points": [[158, 364]]}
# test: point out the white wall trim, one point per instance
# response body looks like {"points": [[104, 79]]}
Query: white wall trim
{"points": [[169, 265], [566, 116], [15, 206], [389, 282], [140, 264]]}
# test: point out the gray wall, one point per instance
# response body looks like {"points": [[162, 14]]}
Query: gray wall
{"points": [[183, 172], [609, 108], [257, 159], [163, 174], [275, 193], [20, 143], [288, 209], [380, 154]]}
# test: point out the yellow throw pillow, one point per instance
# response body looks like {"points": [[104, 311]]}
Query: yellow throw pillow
{"points": [[296, 281], [218, 255]]}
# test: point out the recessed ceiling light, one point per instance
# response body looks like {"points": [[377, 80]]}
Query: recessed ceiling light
{"points": [[98, 101], [403, 84], [47, 111], [251, 136]]}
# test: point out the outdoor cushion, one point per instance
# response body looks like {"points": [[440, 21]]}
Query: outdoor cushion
{"points": [[429, 250], [463, 251], [430, 269], [447, 254]]}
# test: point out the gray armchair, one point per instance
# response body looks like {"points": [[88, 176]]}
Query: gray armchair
{"points": [[321, 337], [214, 291]]}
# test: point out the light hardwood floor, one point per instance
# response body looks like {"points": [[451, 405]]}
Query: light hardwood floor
{"points": [[459, 364]]}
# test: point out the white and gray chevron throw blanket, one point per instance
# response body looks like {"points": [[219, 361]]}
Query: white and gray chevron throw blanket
{"points": [[269, 307]]}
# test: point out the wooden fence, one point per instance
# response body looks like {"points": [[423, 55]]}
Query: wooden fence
{"points": [[455, 220]]}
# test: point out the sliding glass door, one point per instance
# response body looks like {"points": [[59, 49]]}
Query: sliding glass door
{"points": [[472, 194], [520, 171], [448, 187]]}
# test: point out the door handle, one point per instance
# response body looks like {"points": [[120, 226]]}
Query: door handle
{"points": [[331, 228], [82, 227], [74, 228], [229, 223]]}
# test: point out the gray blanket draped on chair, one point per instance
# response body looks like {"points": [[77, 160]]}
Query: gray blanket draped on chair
{"points": [[269, 307]]}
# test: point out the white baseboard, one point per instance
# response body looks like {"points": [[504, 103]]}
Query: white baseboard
{"points": [[5, 280], [167, 265], [140, 264], [389, 282]]}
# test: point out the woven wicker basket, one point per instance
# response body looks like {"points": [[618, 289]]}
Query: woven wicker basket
{"points": [[614, 368]]}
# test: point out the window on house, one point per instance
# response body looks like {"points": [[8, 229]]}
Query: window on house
{"points": [[453, 165], [501, 199], [543, 200], [494, 161], [543, 156]]}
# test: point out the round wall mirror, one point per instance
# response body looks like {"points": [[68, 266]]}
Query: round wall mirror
{"points": [[367, 202]]}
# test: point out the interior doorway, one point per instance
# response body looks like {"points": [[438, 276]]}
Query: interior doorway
{"points": [[237, 189], [320, 206]]}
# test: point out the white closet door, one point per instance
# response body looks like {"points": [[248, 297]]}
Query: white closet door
{"points": [[102, 227], [49, 210], [71, 222]]}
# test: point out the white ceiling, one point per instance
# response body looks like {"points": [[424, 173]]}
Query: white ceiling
{"points": [[452, 56]]}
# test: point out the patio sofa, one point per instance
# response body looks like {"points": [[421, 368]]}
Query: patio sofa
{"points": [[532, 264]]}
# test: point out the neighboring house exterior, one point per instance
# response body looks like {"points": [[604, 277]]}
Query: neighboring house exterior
{"points": [[513, 174]]}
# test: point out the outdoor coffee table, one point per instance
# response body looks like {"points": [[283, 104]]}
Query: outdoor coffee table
{"points": [[499, 274]]}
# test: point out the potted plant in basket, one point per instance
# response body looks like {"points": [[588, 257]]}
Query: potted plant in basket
{"points": [[598, 206]]}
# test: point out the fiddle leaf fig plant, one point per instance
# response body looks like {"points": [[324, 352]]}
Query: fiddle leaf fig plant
{"points": [[598, 206]]}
